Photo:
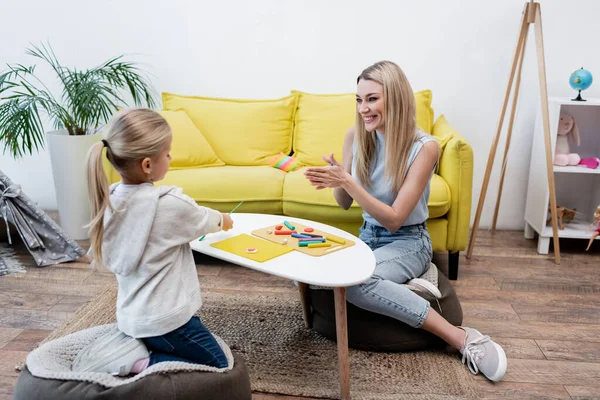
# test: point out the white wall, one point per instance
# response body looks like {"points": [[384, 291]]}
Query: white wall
{"points": [[462, 50]]}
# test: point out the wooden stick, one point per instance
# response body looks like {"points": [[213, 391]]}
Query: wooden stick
{"points": [[539, 42], [341, 328], [490, 162], [509, 133]]}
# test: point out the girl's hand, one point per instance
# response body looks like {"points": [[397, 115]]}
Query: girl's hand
{"points": [[331, 176], [227, 222]]}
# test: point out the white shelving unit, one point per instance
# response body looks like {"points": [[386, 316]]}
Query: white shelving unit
{"points": [[576, 187]]}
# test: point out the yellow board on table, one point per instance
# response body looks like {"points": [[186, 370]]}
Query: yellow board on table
{"points": [[238, 245], [292, 242]]}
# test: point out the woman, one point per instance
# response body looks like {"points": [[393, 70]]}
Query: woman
{"points": [[387, 169]]}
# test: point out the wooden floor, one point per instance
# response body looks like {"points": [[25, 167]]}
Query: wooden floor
{"points": [[546, 316]]}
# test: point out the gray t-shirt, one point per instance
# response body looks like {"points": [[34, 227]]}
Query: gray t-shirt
{"points": [[381, 187], [146, 245]]}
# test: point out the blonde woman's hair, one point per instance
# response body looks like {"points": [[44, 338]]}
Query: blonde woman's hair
{"points": [[400, 125], [131, 135]]}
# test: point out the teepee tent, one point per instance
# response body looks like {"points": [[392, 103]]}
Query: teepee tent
{"points": [[45, 240]]}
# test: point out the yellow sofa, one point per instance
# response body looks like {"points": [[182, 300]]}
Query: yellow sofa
{"points": [[222, 149]]}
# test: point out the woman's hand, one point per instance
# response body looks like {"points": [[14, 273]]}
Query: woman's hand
{"points": [[227, 222], [331, 160], [331, 176]]}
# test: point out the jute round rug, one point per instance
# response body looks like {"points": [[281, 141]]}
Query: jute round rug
{"points": [[284, 357]]}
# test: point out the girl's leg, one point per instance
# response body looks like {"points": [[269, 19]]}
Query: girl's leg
{"points": [[191, 343]]}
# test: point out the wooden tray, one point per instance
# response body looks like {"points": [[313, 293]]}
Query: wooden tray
{"points": [[293, 242]]}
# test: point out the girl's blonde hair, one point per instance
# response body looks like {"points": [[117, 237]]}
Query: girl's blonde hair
{"points": [[400, 125], [131, 136]]}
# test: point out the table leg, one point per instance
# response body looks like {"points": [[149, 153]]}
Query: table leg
{"points": [[305, 300], [342, 341]]}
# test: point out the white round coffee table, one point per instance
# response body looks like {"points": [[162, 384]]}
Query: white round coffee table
{"points": [[338, 270]]}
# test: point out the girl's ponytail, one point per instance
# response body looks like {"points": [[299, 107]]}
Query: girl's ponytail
{"points": [[99, 199]]}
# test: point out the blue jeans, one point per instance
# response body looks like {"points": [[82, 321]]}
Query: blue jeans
{"points": [[191, 343], [400, 256]]}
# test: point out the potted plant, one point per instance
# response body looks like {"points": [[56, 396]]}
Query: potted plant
{"points": [[87, 99]]}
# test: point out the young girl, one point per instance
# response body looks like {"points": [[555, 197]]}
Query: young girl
{"points": [[141, 233], [387, 169]]}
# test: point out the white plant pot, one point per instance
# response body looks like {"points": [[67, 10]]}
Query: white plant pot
{"points": [[68, 155]]}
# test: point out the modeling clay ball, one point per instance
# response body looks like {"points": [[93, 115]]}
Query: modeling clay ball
{"points": [[251, 250]]}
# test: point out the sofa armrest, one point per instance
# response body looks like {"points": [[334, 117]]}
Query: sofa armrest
{"points": [[456, 167]]}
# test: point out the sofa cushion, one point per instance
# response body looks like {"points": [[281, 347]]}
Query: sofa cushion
{"points": [[222, 188], [323, 119], [241, 132], [189, 147], [298, 193], [442, 131]]}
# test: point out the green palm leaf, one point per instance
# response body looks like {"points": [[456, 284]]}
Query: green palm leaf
{"points": [[87, 100]]}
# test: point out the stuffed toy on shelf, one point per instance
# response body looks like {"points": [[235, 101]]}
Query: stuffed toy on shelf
{"points": [[564, 216], [567, 126]]}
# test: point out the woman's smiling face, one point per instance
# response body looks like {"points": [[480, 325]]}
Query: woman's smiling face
{"points": [[370, 105]]}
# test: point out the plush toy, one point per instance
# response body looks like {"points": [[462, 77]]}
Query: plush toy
{"points": [[564, 215], [591, 162], [563, 155], [284, 163]]}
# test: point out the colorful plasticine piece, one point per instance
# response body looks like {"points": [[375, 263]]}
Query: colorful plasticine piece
{"points": [[300, 236], [312, 235], [335, 239], [279, 227], [308, 230], [283, 232], [312, 240], [305, 244], [290, 226], [313, 245]]}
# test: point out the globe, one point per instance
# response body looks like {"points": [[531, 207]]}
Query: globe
{"points": [[580, 80]]}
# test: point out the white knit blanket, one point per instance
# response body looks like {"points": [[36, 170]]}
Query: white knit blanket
{"points": [[54, 359]]}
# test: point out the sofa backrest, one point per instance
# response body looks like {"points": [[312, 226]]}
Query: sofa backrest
{"points": [[322, 120], [241, 132], [253, 132]]}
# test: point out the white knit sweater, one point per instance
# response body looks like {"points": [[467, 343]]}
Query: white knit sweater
{"points": [[54, 359]]}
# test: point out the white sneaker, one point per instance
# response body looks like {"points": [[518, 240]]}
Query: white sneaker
{"points": [[424, 286], [483, 355], [113, 353]]}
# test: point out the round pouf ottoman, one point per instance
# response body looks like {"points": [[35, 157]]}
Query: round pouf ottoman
{"points": [[51, 373], [234, 385], [376, 332]]}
